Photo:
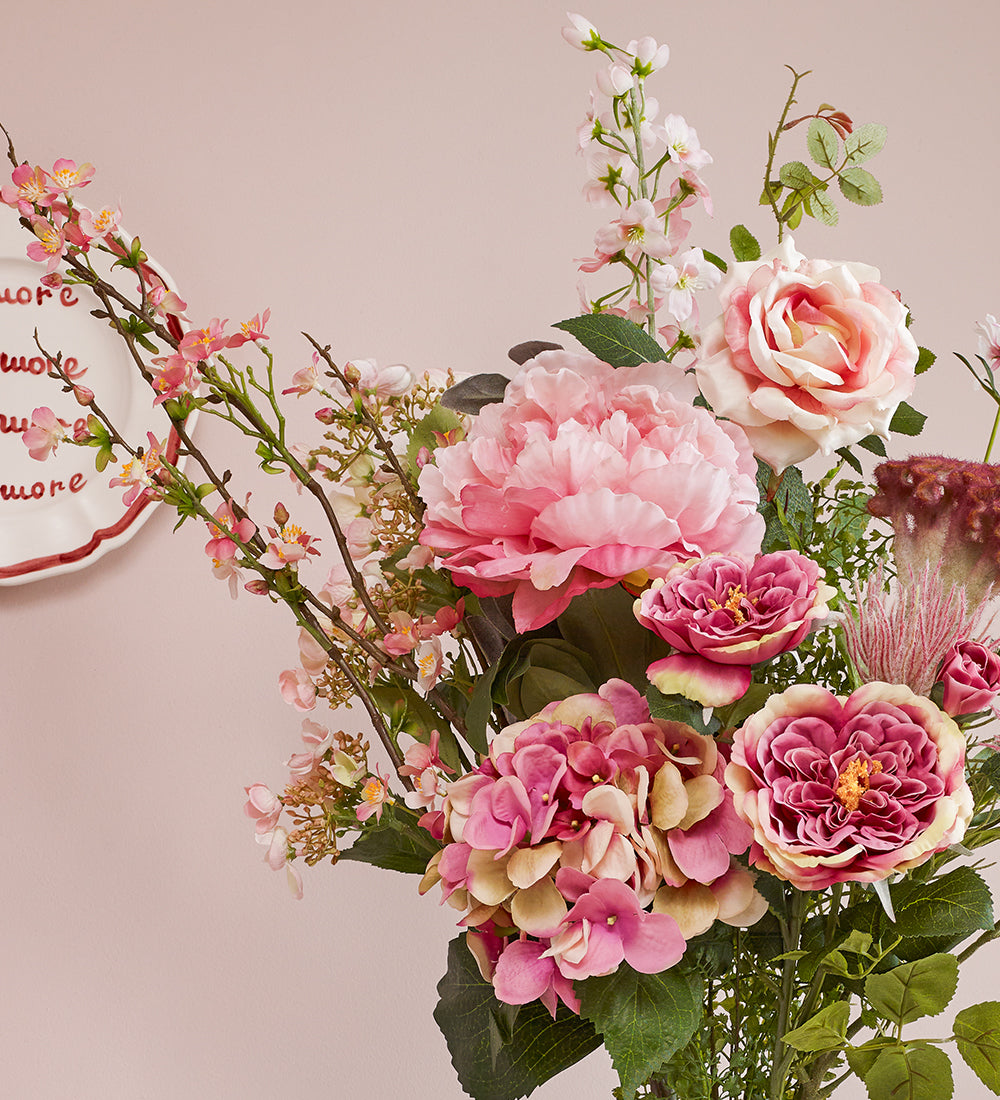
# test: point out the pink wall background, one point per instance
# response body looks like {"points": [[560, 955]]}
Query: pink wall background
{"points": [[399, 180]]}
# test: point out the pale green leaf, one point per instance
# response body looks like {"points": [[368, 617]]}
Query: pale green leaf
{"points": [[920, 988]]}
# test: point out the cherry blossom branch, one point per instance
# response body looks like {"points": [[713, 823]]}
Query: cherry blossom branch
{"points": [[369, 421]]}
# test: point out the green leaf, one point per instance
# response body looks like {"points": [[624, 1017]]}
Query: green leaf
{"points": [[925, 360], [602, 623], [990, 769], [862, 1058], [616, 340], [499, 1055], [440, 420], [852, 460], [536, 670], [825, 1031], [744, 244], [864, 142], [859, 186], [911, 1071], [643, 1018], [480, 708], [677, 708], [907, 421], [977, 1034], [718, 261], [395, 842], [958, 903], [472, 394], [797, 176], [789, 508], [823, 143], [874, 444], [826, 208], [920, 988]]}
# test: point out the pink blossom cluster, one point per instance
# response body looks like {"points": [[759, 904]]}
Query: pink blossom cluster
{"points": [[583, 475], [620, 138], [602, 835]]}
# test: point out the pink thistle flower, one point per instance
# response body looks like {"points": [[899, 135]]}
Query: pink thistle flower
{"points": [[51, 245], [28, 191], [901, 636], [47, 431], [66, 176], [374, 796], [252, 330], [945, 513]]}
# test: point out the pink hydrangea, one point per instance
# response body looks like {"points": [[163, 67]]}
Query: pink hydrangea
{"points": [[849, 789], [723, 614], [807, 355], [599, 832], [584, 474]]}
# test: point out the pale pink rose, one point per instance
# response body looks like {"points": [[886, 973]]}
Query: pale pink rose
{"points": [[728, 614], [849, 789], [583, 474], [971, 678], [807, 355]]}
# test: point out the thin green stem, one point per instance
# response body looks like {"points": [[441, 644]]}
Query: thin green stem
{"points": [[772, 148], [993, 435]]}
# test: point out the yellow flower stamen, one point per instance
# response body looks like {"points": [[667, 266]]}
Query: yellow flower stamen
{"points": [[732, 604], [854, 781]]}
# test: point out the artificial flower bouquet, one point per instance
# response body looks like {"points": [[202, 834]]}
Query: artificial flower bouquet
{"points": [[675, 709]]}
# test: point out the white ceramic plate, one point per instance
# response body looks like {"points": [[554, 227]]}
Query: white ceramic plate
{"points": [[60, 515]]}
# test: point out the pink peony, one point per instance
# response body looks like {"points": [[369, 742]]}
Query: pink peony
{"points": [[586, 473], [723, 614], [971, 678], [849, 789], [808, 355]]}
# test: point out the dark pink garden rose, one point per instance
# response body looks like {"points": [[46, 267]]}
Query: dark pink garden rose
{"points": [[849, 789], [971, 678], [582, 475], [723, 614]]}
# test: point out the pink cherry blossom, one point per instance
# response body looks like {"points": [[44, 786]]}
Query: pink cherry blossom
{"points": [[50, 247], [252, 330], [47, 431], [288, 546], [372, 380], [66, 175], [682, 142], [679, 280], [29, 190], [637, 232], [374, 795], [649, 55], [140, 475], [306, 379], [99, 225], [297, 689], [200, 344], [221, 546], [263, 806], [535, 500]]}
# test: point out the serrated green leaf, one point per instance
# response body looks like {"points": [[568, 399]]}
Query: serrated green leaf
{"points": [[911, 1071], [825, 1031], [643, 1018], [395, 842], [925, 360], [859, 186], [864, 142], [797, 176], [795, 218], [744, 244], [990, 769], [852, 460], [907, 421], [616, 340], [874, 444], [862, 1058], [920, 988], [826, 208], [775, 187], [496, 1054], [958, 903], [823, 143], [977, 1034]]}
